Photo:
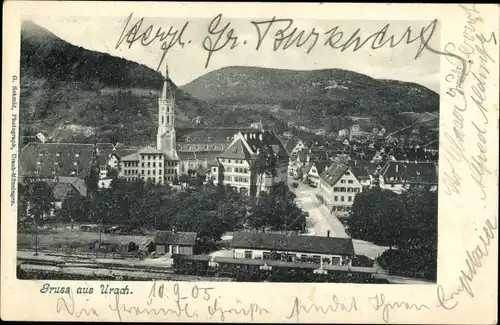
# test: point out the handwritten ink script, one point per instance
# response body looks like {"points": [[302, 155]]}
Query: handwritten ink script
{"points": [[468, 99], [474, 262], [281, 33], [162, 301]]}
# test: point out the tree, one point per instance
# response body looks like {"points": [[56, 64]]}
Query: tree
{"points": [[73, 208], [278, 211], [374, 215], [39, 199], [407, 222], [264, 164]]}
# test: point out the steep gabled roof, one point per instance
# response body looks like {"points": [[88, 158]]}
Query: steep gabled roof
{"points": [[257, 140], [291, 143], [236, 151], [322, 165], [334, 172], [55, 159], [410, 172]]}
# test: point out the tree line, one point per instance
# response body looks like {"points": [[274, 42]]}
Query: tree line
{"points": [[209, 210], [406, 222]]}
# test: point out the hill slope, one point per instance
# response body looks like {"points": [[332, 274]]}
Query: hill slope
{"points": [[76, 94], [316, 94]]}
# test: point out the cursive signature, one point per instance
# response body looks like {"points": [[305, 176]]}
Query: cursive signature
{"points": [[474, 263], [386, 307], [168, 38], [335, 306]]}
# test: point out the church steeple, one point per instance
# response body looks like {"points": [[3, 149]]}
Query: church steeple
{"points": [[164, 91], [165, 138]]}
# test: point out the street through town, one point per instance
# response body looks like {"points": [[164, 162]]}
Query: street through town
{"points": [[321, 221]]}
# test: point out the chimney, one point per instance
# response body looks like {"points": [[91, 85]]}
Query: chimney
{"points": [[328, 233]]}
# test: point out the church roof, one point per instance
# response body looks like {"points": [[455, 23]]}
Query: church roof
{"points": [[204, 135], [198, 155], [149, 150], [236, 151]]}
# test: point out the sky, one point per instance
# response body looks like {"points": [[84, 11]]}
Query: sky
{"points": [[188, 63]]}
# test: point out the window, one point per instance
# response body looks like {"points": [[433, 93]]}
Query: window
{"points": [[154, 164], [229, 160], [335, 198], [149, 157], [149, 164], [142, 165], [245, 170], [228, 169], [159, 164], [214, 170], [142, 172], [266, 255], [154, 172], [248, 254], [342, 181], [350, 181], [342, 199], [349, 198], [223, 160], [149, 172]]}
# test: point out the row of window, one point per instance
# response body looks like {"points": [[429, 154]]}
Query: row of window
{"points": [[154, 179], [341, 208], [131, 164], [149, 165], [154, 157], [238, 179], [202, 147], [303, 257], [342, 198], [229, 161], [344, 189], [350, 181], [237, 170]]}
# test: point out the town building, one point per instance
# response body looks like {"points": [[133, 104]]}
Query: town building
{"points": [[339, 187], [174, 242], [313, 170], [292, 248], [399, 176], [293, 145], [235, 164]]}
